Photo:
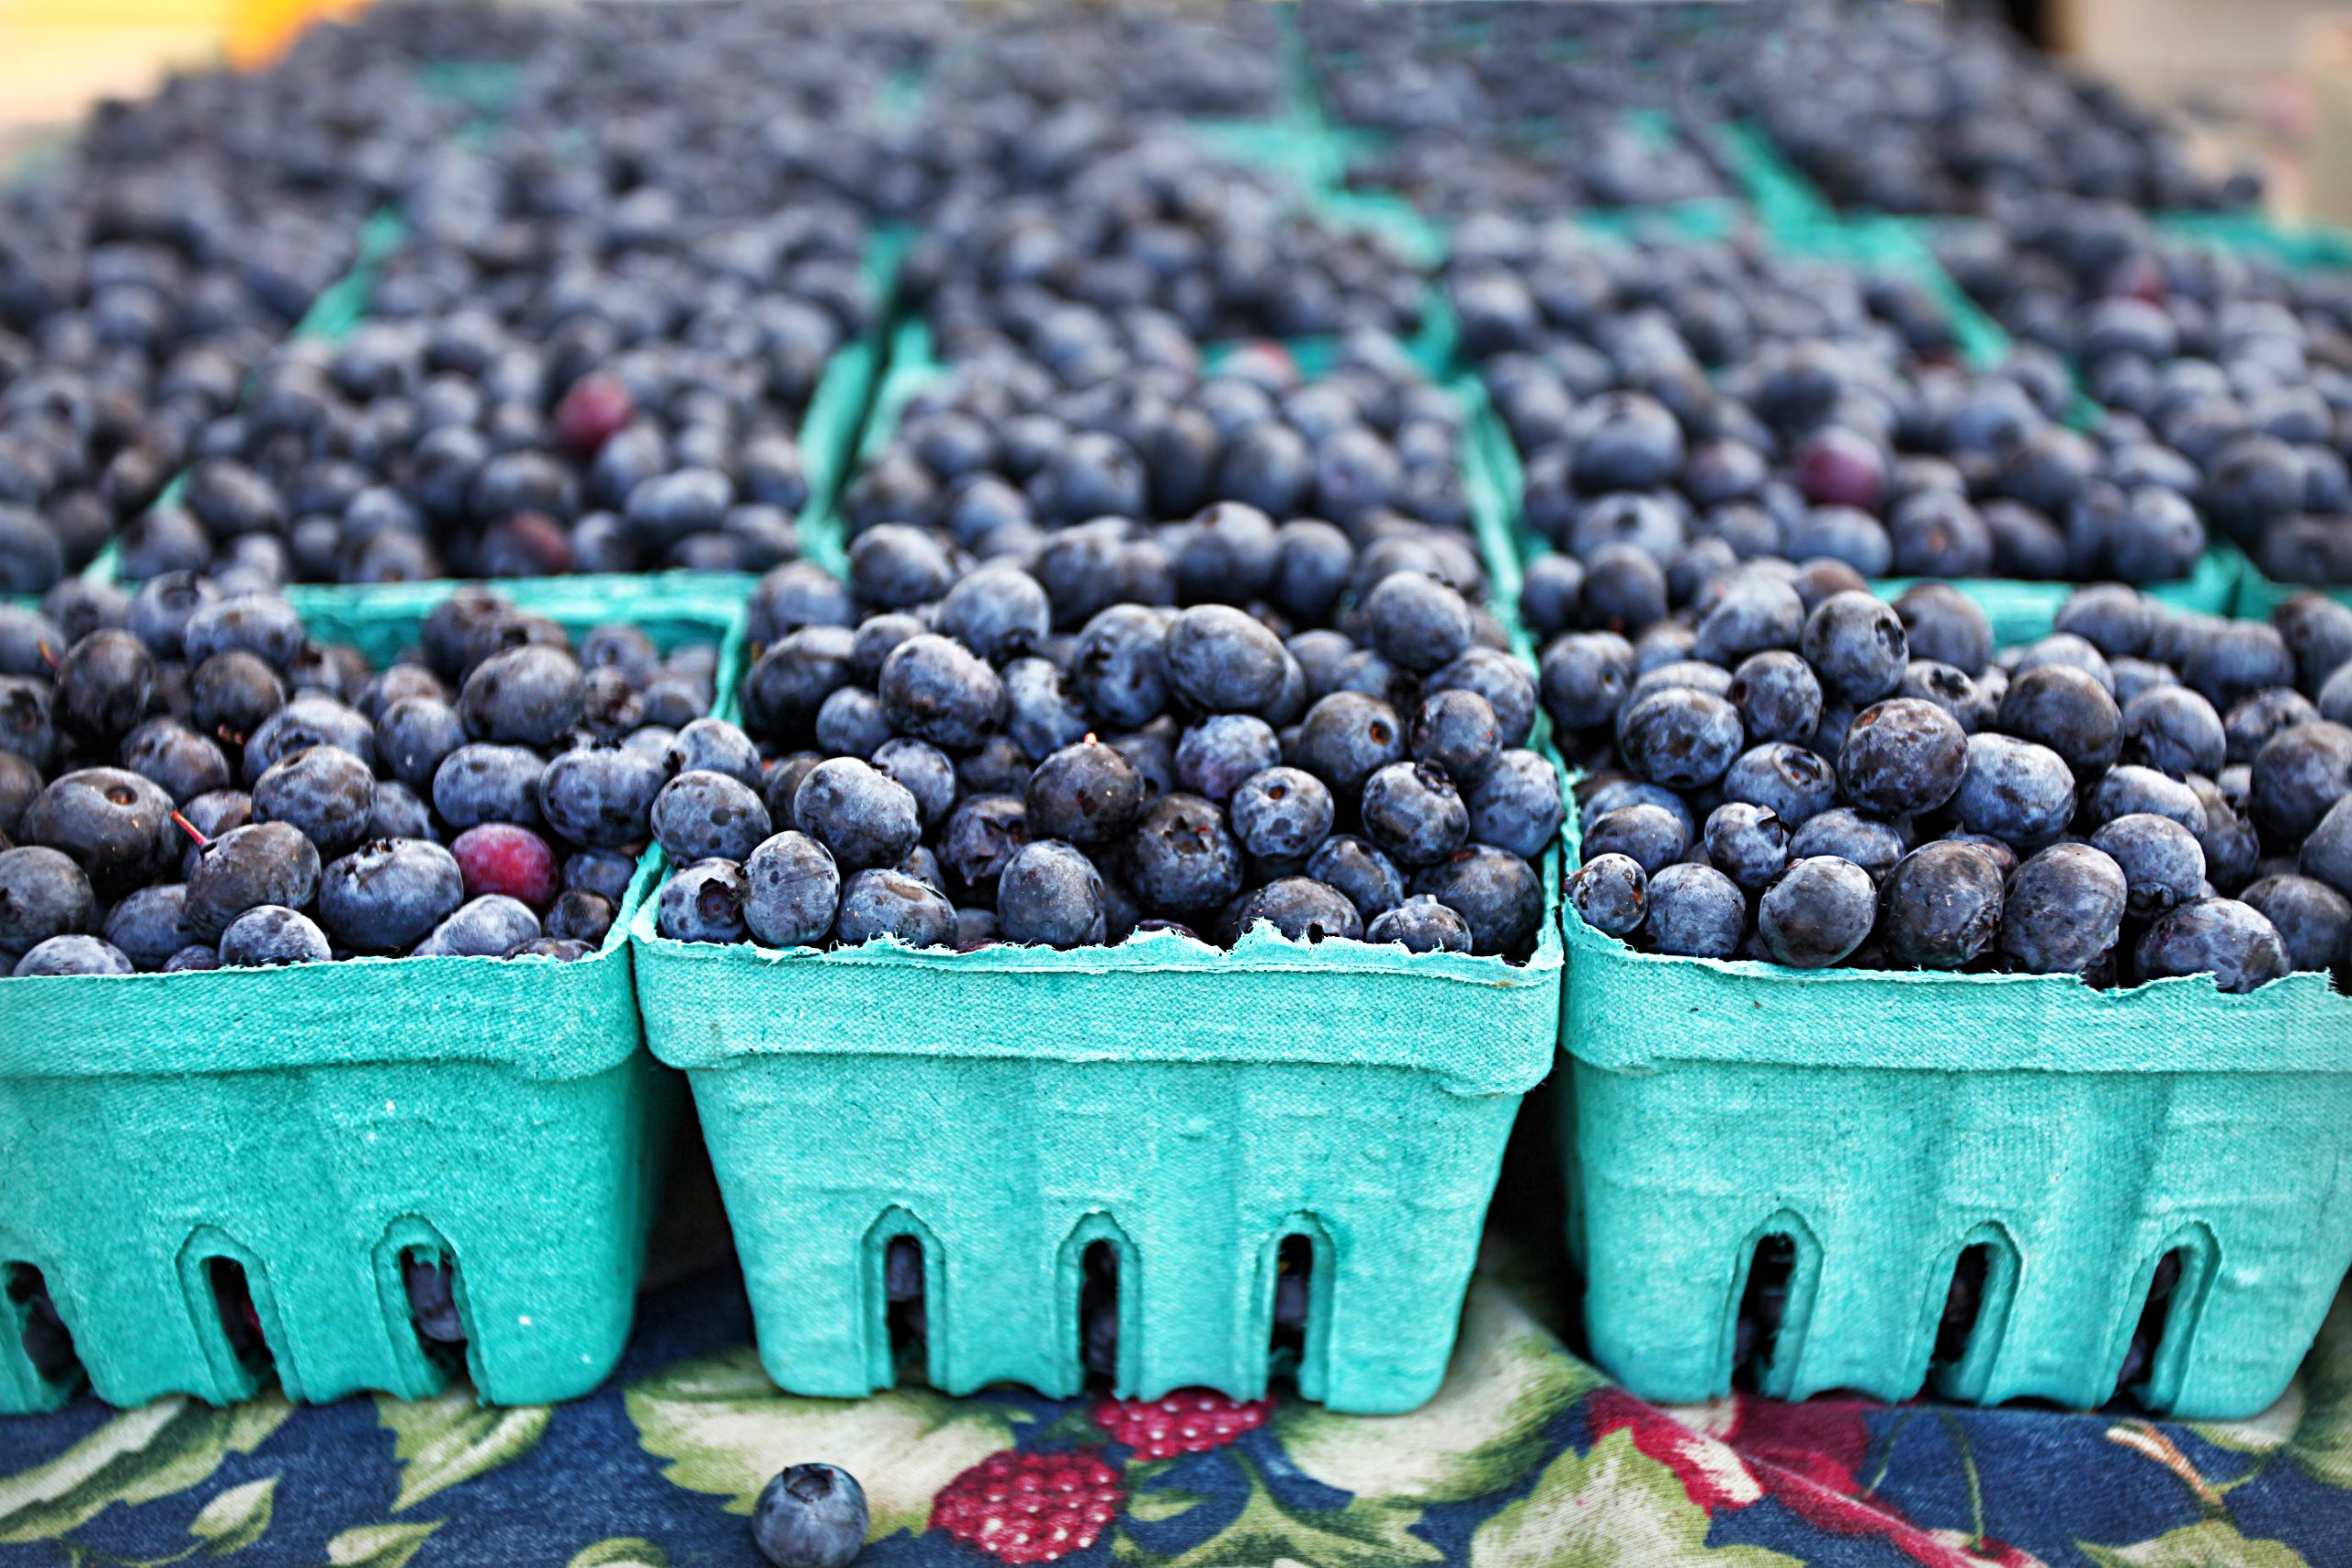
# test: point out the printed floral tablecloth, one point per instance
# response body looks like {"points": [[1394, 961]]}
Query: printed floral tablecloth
{"points": [[1529, 1459]]}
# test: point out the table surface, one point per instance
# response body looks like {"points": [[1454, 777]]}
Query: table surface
{"points": [[1528, 1459]]}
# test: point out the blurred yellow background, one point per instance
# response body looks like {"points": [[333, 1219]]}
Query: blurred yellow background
{"points": [[57, 55]]}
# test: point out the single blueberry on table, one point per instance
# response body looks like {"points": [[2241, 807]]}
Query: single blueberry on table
{"points": [[810, 1515]]}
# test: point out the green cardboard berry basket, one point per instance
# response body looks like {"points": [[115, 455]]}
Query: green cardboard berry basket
{"points": [[1193, 1109], [1883, 1124], [309, 1125]]}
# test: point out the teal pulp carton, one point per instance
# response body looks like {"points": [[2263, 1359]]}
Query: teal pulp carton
{"points": [[295, 1131], [1201, 1114]]}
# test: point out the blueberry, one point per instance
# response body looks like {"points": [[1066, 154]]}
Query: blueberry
{"points": [[1695, 911], [1494, 891], [980, 836], [1415, 622], [2314, 920], [1901, 757], [580, 916], [1796, 784], [116, 825], [146, 926], [43, 894], [2228, 662], [810, 1515], [183, 763], [233, 693], [27, 729], [1456, 730], [1777, 696], [851, 723], [925, 771], [2015, 791], [1856, 646], [863, 817], [1347, 736], [706, 816], [260, 623], [2162, 864], [2220, 937], [1747, 843], [2175, 730], [1120, 671], [324, 791], [1940, 908], [998, 611], [1585, 679], [1421, 924], [1301, 909], [878, 903], [1650, 835], [1225, 661], [2129, 788], [1050, 893], [308, 720], [103, 686], [20, 782], [792, 891], [938, 690], [1610, 892], [599, 795], [1369, 879], [1816, 911], [487, 927], [2250, 724], [1756, 613], [1680, 737], [482, 783], [1506, 683], [1216, 754], [2326, 855], [703, 902], [1281, 814], [1181, 859], [2300, 773], [894, 567], [1042, 711], [1941, 623], [73, 955], [1847, 834], [2063, 910], [1414, 814], [527, 696], [1515, 806], [387, 895], [269, 935]]}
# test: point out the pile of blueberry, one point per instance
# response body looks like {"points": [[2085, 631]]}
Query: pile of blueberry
{"points": [[2232, 375], [147, 271], [197, 783], [1147, 233], [1681, 406], [1595, 161], [1034, 714], [1213, 62], [1811, 776]]}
